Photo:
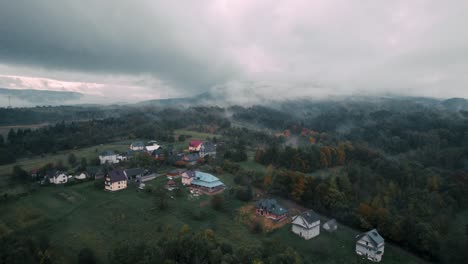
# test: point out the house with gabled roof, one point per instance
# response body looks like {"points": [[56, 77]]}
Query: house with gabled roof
{"points": [[195, 145], [152, 146], [204, 182], [270, 208], [158, 154], [81, 175], [330, 225], [133, 173], [370, 245], [176, 173], [95, 172], [115, 180], [187, 177], [138, 145], [208, 149], [170, 185], [306, 224], [57, 177], [147, 175], [108, 156]]}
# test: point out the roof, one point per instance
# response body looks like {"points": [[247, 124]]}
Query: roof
{"points": [[158, 152], [195, 143], [189, 173], [374, 236], [206, 180], [171, 182], [271, 206], [175, 172], [309, 217], [107, 153], [117, 175], [192, 157], [133, 172], [152, 147], [138, 144], [94, 170], [55, 173], [332, 224], [209, 147], [206, 177]]}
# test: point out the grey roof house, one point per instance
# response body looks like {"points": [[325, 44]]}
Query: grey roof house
{"points": [[370, 245], [133, 173], [330, 225], [306, 224]]}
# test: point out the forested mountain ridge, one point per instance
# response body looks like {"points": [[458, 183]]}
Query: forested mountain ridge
{"points": [[38, 97]]}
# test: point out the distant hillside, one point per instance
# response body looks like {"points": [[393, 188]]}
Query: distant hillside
{"points": [[29, 97], [310, 104], [456, 104], [206, 98]]}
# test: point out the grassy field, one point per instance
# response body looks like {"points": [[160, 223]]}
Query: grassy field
{"points": [[81, 216], [194, 134], [89, 153], [5, 129]]}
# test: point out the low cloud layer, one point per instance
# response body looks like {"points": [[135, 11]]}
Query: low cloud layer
{"points": [[156, 49]]}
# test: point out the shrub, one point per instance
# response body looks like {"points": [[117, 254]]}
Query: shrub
{"points": [[86, 256], [244, 194], [256, 227], [217, 202]]}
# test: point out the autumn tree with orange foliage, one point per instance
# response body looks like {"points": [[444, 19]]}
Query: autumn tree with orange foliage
{"points": [[299, 187], [267, 181]]}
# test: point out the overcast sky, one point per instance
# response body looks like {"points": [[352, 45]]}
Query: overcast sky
{"points": [[156, 49]]}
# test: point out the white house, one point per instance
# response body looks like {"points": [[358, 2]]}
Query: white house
{"points": [[371, 245], [306, 225], [137, 146], [152, 146], [81, 176], [58, 177], [108, 156], [195, 145]]}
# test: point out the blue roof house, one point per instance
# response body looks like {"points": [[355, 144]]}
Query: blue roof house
{"points": [[206, 182]]}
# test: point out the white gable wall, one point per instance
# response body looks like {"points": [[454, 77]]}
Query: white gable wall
{"points": [[59, 179], [300, 228], [108, 159], [364, 247]]}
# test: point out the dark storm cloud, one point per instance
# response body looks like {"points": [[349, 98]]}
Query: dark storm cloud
{"points": [[129, 37], [278, 49]]}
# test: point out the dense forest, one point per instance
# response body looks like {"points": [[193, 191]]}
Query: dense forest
{"points": [[174, 246], [403, 172]]}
